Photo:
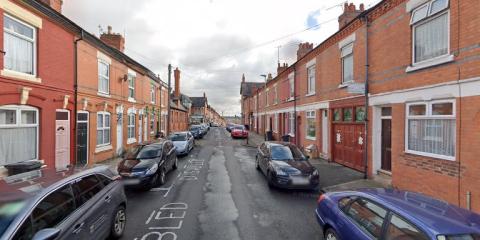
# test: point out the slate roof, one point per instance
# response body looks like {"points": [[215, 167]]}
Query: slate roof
{"points": [[198, 101], [246, 88]]}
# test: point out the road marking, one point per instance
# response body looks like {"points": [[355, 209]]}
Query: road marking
{"points": [[150, 218], [164, 217], [167, 190]]}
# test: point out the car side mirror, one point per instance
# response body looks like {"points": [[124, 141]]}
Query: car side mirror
{"points": [[47, 234]]}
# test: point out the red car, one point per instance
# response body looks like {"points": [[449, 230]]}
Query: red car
{"points": [[239, 132]]}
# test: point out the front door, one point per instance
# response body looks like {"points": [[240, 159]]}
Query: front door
{"points": [[119, 133], [82, 138], [386, 145], [140, 133], [145, 128], [62, 139], [325, 132]]}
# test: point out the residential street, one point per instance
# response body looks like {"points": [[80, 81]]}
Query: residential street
{"points": [[218, 194]]}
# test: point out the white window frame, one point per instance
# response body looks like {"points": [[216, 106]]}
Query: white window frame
{"points": [[311, 71], [152, 93], [131, 81], [103, 128], [18, 121], [428, 18], [291, 123], [34, 42], [152, 123], [343, 57], [428, 115], [275, 123], [101, 61], [310, 115], [291, 81], [130, 139]]}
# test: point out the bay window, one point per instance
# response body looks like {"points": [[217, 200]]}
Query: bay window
{"points": [[103, 77], [103, 129], [18, 134], [311, 134], [431, 129], [430, 31], [19, 42]]}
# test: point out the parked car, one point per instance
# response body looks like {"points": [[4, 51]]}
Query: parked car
{"points": [[229, 126], [183, 142], [53, 204], [239, 131], [203, 129], [285, 166], [196, 131], [206, 126], [146, 165], [393, 214]]}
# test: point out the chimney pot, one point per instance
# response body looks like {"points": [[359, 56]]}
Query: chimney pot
{"points": [[350, 12], [303, 49], [114, 40]]}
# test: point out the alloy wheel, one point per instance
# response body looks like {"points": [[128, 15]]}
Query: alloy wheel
{"points": [[162, 177], [119, 222]]}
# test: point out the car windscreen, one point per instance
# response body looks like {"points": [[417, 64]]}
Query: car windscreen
{"points": [[144, 152], [286, 153], [239, 128], [194, 128], [8, 212], [178, 137]]}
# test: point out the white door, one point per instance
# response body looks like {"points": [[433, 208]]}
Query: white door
{"points": [[145, 128], [62, 139], [325, 132], [119, 133], [140, 120]]}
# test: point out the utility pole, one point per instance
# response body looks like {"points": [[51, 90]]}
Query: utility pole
{"points": [[278, 53], [168, 97]]}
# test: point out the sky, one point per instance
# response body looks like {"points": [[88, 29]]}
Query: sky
{"points": [[212, 42]]}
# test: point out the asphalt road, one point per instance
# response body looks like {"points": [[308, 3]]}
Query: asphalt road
{"points": [[216, 193]]}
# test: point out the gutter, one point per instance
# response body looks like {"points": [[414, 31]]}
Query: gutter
{"points": [[75, 88]]}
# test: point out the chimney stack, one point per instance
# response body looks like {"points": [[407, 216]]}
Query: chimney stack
{"points": [[350, 12], [243, 78], [303, 49], [176, 75], [269, 77], [55, 4], [204, 95], [281, 68], [112, 39]]}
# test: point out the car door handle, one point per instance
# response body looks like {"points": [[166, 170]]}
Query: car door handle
{"points": [[108, 199], [78, 228]]}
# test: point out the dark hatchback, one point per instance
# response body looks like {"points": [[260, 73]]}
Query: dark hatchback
{"points": [[196, 131], [146, 166], [285, 166]]}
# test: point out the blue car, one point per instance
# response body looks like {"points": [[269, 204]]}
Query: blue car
{"points": [[393, 215]]}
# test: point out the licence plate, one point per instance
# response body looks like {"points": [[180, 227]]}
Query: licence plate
{"points": [[132, 181], [300, 180]]}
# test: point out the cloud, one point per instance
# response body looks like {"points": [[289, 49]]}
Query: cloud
{"points": [[212, 42]]}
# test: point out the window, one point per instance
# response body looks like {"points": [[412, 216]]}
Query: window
{"points": [[337, 115], [275, 123], [131, 126], [291, 81], [152, 123], [400, 229], [360, 114], [86, 189], [131, 86], [268, 123], [103, 77], [431, 129], [19, 45], [291, 119], [430, 30], [311, 80], [275, 101], [152, 93], [367, 216], [347, 64], [53, 209], [310, 125], [18, 134], [104, 180], [347, 114], [103, 128]]}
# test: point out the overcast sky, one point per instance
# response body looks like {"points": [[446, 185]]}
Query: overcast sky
{"points": [[212, 41]]}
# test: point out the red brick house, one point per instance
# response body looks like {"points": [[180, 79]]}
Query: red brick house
{"points": [[421, 60], [36, 85]]}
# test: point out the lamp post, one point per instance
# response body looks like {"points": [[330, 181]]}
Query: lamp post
{"points": [[265, 107]]}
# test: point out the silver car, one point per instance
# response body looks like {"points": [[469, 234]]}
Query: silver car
{"points": [[69, 204], [183, 142]]}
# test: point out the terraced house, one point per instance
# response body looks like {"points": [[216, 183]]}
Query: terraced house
{"points": [[418, 62]]}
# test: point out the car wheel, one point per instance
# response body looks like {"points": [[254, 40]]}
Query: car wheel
{"points": [[257, 164], [162, 177], [270, 180], [119, 220], [175, 164], [330, 234]]}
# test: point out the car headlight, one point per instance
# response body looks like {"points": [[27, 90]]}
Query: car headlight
{"points": [[280, 171], [153, 169]]}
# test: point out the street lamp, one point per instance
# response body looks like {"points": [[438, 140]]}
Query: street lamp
{"points": [[265, 107]]}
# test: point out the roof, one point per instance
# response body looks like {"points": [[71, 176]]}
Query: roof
{"points": [[246, 88], [198, 101], [436, 215], [179, 107], [92, 39]]}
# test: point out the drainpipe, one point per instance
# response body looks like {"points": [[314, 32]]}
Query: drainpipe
{"points": [[168, 99], [75, 97], [295, 103], [365, 157]]}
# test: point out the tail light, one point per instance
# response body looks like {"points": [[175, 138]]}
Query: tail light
{"points": [[321, 197]]}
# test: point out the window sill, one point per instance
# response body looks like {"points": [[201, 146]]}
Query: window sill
{"points": [[20, 76], [132, 100], [430, 63], [311, 138], [310, 94], [99, 149], [104, 94], [442, 157], [290, 99], [131, 140], [344, 85]]}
